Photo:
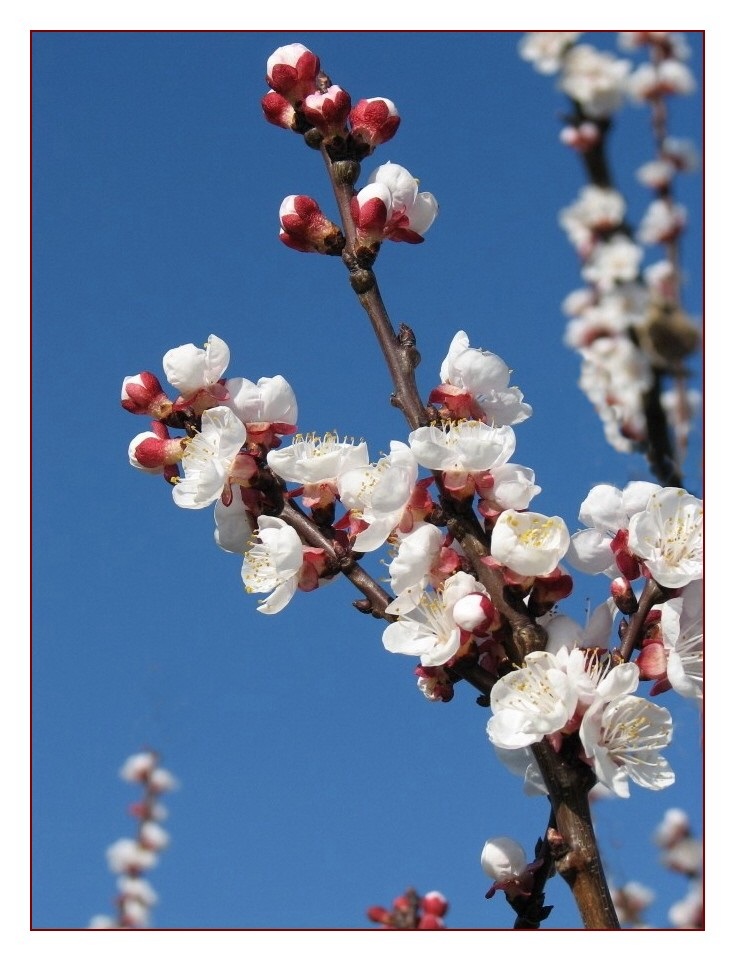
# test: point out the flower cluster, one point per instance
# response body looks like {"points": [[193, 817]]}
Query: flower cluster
{"points": [[130, 858], [627, 324], [681, 852], [412, 912]]}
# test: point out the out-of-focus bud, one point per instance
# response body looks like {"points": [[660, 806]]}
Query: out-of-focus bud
{"points": [[304, 227], [430, 922], [278, 111], [328, 110], [374, 121], [434, 903], [378, 915], [138, 766], [292, 71], [581, 138], [142, 394], [623, 595]]}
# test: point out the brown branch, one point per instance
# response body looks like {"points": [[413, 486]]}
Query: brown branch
{"points": [[573, 845], [652, 594], [344, 561]]}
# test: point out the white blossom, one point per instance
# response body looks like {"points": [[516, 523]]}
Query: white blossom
{"points": [[464, 447], [546, 49], [528, 543], [311, 459], [128, 855], [668, 536], [379, 494], [605, 511], [138, 766], [272, 567], [595, 79], [531, 702], [615, 261], [418, 210], [682, 630], [233, 524], [190, 368], [428, 630], [208, 458], [622, 738], [410, 568], [270, 401], [485, 377]]}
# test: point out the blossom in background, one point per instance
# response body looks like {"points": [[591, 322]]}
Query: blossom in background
{"points": [[595, 79], [129, 858], [528, 543], [546, 49], [209, 458], [614, 262], [273, 566], [475, 386]]}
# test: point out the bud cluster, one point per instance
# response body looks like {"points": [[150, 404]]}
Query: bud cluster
{"points": [[411, 912]]}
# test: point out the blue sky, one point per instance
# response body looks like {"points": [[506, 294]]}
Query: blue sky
{"points": [[315, 779]]}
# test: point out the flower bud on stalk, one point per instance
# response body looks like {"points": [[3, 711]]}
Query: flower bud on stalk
{"points": [[304, 227]]}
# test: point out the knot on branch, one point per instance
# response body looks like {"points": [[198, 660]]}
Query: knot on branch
{"points": [[362, 280]]}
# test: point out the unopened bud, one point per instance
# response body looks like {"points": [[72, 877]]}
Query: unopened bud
{"points": [[143, 394], [292, 71], [374, 121], [623, 595]]}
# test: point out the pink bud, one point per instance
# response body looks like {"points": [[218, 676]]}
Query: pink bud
{"points": [[304, 227], [327, 111], [292, 71], [378, 915], [623, 595], [430, 922], [435, 903], [374, 121], [279, 111], [143, 394]]}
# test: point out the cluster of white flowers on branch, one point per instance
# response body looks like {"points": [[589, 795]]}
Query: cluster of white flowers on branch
{"points": [[130, 858], [475, 574], [627, 324]]}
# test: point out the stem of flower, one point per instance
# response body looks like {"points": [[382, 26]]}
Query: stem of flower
{"points": [[574, 845]]}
